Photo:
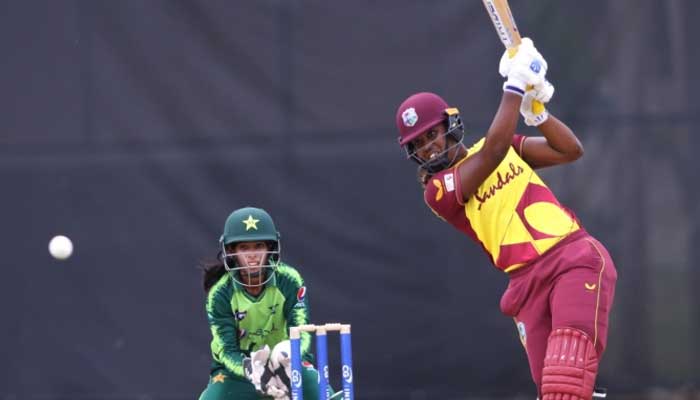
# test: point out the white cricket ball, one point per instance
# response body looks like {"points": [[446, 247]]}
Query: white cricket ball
{"points": [[60, 247]]}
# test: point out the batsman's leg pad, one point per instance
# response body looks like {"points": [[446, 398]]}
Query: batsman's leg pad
{"points": [[570, 366]]}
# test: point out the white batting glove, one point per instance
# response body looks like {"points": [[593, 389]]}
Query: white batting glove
{"points": [[506, 62], [526, 46], [544, 92], [532, 110], [526, 69]]}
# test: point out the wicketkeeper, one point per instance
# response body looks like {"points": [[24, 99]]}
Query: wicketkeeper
{"points": [[252, 300]]}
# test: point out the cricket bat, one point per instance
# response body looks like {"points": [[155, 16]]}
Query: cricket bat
{"points": [[503, 21], [507, 31]]}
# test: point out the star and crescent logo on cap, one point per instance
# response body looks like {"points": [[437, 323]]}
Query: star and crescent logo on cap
{"points": [[251, 223]]}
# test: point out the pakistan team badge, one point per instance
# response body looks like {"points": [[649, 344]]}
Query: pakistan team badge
{"points": [[251, 223], [239, 315]]}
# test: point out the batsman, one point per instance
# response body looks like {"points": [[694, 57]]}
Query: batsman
{"points": [[561, 279], [252, 300]]}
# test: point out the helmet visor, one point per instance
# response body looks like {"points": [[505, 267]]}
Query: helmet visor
{"points": [[250, 268], [441, 159]]}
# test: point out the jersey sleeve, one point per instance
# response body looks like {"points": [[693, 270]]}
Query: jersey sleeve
{"points": [[225, 348], [296, 305], [517, 143], [442, 194]]}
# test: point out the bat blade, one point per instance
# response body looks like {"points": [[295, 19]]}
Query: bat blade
{"points": [[507, 31], [503, 21]]}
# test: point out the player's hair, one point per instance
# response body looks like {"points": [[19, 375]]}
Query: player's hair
{"points": [[212, 271], [423, 176]]}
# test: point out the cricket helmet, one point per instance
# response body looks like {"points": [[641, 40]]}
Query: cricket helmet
{"points": [[420, 112], [250, 224]]}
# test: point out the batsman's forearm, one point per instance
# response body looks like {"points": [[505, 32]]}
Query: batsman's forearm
{"points": [[561, 138], [500, 133], [498, 139]]}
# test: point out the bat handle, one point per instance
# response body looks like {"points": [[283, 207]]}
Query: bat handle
{"points": [[512, 51]]}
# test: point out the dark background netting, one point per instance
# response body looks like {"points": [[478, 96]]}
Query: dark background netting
{"points": [[135, 127]]}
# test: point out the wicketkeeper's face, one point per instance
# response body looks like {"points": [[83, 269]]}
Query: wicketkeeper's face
{"points": [[251, 257]]}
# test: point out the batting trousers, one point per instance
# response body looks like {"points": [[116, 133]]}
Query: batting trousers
{"points": [[571, 285]]}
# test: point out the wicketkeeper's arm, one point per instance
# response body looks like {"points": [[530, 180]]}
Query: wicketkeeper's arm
{"points": [[297, 311], [225, 348]]}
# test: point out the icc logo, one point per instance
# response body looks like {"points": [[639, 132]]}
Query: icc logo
{"points": [[347, 374], [296, 378], [535, 66]]}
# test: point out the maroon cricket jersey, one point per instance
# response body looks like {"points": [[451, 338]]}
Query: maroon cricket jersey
{"points": [[513, 214]]}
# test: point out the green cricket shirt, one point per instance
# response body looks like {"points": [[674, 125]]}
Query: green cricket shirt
{"points": [[241, 323]]}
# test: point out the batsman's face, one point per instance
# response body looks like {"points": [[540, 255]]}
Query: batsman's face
{"points": [[430, 144], [251, 256]]}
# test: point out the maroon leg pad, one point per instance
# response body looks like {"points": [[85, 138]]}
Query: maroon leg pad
{"points": [[570, 366]]}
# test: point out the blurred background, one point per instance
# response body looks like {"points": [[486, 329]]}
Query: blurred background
{"points": [[136, 126]]}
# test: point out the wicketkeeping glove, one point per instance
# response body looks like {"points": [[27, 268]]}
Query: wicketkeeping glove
{"points": [[260, 372], [276, 388], [255, 367], [281, 362]]}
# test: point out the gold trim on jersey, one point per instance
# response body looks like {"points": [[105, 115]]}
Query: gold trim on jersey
{"points": [[597, 300]]}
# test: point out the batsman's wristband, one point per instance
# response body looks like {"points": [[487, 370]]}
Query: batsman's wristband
{"points": [[509, 87]]}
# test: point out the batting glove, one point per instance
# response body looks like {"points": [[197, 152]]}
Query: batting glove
{"points": [[526, 46], [532, 109], [543, 92], [527, 68]]}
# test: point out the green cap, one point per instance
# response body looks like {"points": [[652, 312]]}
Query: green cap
{"points": [[249, 224]]}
